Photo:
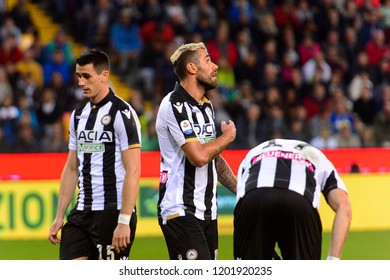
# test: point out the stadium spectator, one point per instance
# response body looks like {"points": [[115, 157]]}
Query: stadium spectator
{"points": [[307, 48], [324, 139], [103, 14], [352, 49], [286, 14], [317, 65], [223, 45], [27, 115], [345, 137], [8, 119], [251, 128], [382, 125], [48, 110], [5, 87], [126, 44], [26, 140], [151, 10], [165, 77], [376, 48], [359, 81], [57, 64], [384, 19], [341, 114], [198, 13], [28, 65], [249, 69], [21, 16], [240, 14], [316, 100], [149, 137], [365, 106], [175, 14], [59, 42], [9, 27], [9, 50]]}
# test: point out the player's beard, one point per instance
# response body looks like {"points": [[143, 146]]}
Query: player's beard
{"points": [[206, 82]]}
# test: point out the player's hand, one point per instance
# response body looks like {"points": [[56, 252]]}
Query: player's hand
{"points": [[54, 229], [229, 128], [121, 237]]}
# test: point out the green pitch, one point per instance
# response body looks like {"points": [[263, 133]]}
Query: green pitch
{"points": [[365, 245]]}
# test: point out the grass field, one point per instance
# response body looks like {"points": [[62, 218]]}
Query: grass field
{"points": [[365, 245]]}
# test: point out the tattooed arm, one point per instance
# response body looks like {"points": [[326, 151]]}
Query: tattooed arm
{"points": [[225, 174]]}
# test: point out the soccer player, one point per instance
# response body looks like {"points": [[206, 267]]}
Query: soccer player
{"points": [[191, 163], [279, 183], [104, 161]]}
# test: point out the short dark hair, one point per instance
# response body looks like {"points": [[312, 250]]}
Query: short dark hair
{"points": [[97, 57]]}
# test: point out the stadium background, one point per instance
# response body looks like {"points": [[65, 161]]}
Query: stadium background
{"points": [[29, 192]]}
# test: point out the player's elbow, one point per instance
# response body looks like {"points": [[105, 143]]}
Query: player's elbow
{"points": [[199, 160]]}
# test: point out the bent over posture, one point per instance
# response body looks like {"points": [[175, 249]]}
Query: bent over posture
{"points": [[279, 183]]}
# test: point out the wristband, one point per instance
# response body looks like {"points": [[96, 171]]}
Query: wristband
{"points": [[124, 219], [331, 258]]}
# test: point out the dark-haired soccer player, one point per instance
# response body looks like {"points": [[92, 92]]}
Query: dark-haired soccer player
{"points": [[104, 161]]}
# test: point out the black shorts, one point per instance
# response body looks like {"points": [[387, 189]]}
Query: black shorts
{"points": [[266, 216], [89, 234], [189, 238]]}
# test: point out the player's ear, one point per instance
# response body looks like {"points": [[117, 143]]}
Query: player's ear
{"points": [[191, 67], [105, 75]]}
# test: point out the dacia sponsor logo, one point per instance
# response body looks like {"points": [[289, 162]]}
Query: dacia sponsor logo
{"points": [[204, 130], [94, 136]]}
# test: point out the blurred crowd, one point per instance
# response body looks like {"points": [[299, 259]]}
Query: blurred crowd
{"points": [[314, 70]]}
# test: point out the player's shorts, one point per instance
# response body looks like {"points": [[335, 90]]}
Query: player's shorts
{"points": [[189, 238], [89, 234], [266, 216]]}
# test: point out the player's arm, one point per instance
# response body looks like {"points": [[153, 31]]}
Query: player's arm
{"points": [[338, 200], [225, 174], [68, 184], [200, 154], [132, 163]]}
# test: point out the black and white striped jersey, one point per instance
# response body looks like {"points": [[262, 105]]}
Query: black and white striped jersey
{"points": [[289, 164], [99, 133], [184, 188]]}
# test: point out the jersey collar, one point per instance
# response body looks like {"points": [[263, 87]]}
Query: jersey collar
{"points": [[181, 91], [104, 101]]}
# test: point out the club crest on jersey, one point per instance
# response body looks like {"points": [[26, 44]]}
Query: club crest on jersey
{"points": [[192, 254], [186, 127], [106, 119]]}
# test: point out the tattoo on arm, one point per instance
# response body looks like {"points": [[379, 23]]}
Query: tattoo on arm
{"points": [[217, 153], [225, 174]]}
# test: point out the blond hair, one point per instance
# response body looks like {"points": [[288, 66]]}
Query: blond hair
{"points": [[184, 48], [183, 55]]}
